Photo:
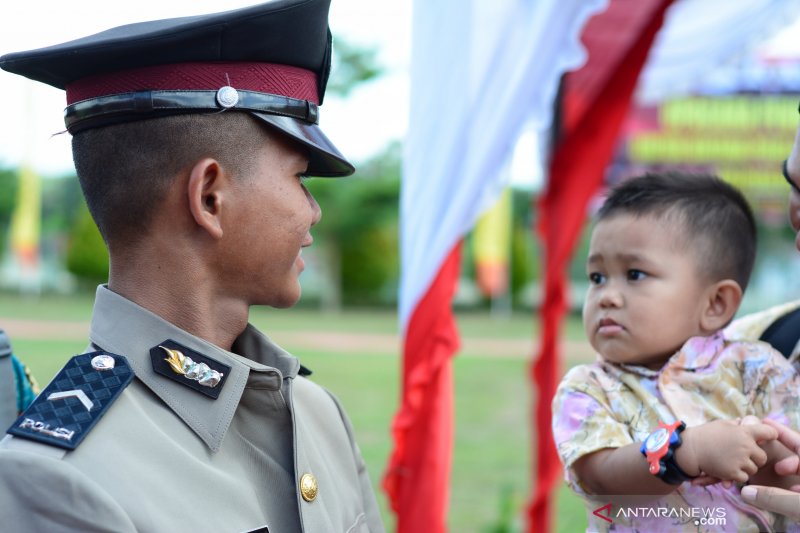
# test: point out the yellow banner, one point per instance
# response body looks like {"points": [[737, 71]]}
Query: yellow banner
{"points": [[492, 247], [26, 220]]}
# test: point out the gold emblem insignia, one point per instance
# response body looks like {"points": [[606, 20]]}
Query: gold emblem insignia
{"points": [[185, 366], [175, 360]]}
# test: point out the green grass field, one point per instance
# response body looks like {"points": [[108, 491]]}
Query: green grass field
{"points": [[357, 359]]}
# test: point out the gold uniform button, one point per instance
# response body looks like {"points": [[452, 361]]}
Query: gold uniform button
{"points": [[308, 487]]}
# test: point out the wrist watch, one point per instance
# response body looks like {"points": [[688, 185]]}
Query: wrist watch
{"points": [[659, 450]]}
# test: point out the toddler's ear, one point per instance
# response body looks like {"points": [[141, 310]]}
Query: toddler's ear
{"points": [[722, 302]]}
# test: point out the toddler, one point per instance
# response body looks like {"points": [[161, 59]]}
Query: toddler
{"points": [[659, 414]]}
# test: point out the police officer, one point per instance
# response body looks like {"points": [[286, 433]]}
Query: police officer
{"points": [[191, 140]]}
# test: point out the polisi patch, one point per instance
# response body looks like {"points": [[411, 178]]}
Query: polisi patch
{"points": [[73, 402]]}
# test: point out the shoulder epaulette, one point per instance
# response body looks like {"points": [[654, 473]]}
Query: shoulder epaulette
{"points": [[74, 401]]}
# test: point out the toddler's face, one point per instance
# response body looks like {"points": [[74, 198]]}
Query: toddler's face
{"points": [[646, 294]]}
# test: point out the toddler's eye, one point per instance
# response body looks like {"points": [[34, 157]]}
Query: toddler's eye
{"points": [[596, 278], [636, 275]]}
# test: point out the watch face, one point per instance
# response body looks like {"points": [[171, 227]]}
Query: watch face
{"points": [[656, 440]]}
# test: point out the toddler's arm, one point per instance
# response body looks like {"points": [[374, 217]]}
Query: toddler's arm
{"points": [[722, 449]]}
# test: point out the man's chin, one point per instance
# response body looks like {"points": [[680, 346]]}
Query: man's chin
{"points": [[284, 301]]}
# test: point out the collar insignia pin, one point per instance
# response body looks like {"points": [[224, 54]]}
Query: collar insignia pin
{"points": [[201, 373], [189, 367]]}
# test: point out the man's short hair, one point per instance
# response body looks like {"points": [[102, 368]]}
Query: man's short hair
{"points": [[126, 169], [716, 218]]}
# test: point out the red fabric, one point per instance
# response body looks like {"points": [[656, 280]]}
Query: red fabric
{"points": [[602, 34], [417, 477], [577, 170], [269, 78]]}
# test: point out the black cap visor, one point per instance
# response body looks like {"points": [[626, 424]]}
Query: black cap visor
{"points": [[324, 159]]}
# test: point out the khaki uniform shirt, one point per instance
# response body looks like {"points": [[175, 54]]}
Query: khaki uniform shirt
{"points": [[167, 458]]}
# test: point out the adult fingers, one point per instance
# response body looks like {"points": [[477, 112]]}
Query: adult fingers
{"points": [[787, 436], [773, 499], [788, 466]]}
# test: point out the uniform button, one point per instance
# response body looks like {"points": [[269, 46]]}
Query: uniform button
{"points": [[308, 487]]}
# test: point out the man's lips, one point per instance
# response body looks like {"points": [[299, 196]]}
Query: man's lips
{"points": [[308, 241]]}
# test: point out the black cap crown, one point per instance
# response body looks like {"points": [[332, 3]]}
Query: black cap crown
{"points": [[271, 60]]}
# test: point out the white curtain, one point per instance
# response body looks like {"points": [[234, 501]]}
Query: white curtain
{"points": [[479, 71], [700, 35]]}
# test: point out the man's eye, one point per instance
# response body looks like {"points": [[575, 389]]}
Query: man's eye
{"points": [[303, 178], [596, 278], [636, 275]]}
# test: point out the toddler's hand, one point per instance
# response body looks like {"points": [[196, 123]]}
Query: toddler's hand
{"points": [[724, 449]]}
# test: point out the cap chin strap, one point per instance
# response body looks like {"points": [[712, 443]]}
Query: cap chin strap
{"points": [[140, 105]]}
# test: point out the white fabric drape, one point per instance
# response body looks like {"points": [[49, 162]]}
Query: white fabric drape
{"points": [[479, 71], [700, 35]]}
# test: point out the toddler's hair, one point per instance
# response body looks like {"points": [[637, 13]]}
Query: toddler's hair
{"points": [[717, 220]]}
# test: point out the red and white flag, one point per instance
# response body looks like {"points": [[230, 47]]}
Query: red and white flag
{"points": [[479, 71]]}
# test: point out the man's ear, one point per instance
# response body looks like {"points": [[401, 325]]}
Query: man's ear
{"points": [[722, 301], [206, 191]]}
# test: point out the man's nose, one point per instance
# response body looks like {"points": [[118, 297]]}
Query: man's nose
{"points": [[317, 210]]}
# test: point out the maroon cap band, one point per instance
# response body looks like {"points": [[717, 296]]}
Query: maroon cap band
{"points": [[269, 78]]}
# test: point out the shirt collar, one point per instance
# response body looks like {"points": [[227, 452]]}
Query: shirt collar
{"points": [[122, 327], [699, 352], [696, 353]]}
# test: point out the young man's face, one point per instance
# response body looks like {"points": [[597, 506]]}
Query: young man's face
{"points": [[269, 225], [646, 295]]}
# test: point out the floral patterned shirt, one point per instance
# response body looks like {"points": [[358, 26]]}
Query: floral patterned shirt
{"points": [[752, 326], [606, 405]]}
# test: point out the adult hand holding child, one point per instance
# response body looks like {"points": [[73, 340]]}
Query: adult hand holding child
{"points": [[776, 499]]}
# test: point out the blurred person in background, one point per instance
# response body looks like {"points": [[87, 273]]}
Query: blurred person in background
{"points": [[18, 388], [783, 501]]}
